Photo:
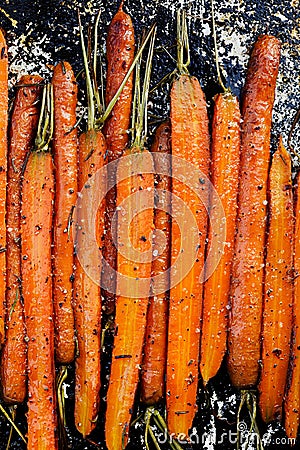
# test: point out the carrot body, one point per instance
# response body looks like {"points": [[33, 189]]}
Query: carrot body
{"points": [[120, 54], [22, 132], [190, 141], [130, 320], [87, 296], [155, 349], [65, 158], [225, 175], [248, 262], [292, 400], [278, 290], [3, 165], [36, 228]]}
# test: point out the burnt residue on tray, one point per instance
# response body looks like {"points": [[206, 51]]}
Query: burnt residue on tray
{"points": [[41, 33]]}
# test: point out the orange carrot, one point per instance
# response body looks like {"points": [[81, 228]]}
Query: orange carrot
{"points": [[120, 54], [278, 288], [87, 296], [65, 158], [135, 178], [22, 132], [190, 141], [36, 229], [3, 165], [225, 175], [87, 293], [155, 349], [292, 399], [248, 262]]}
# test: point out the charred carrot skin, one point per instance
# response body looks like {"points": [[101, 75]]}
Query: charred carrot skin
{"points": [[278, 290], [3, 175], [22, 132], [130, 320], [36, 228], [65, 145], [292, 398], [225, 174], [155, 348], [247, 270], [120, 54], [87, 296], [190, 140]]}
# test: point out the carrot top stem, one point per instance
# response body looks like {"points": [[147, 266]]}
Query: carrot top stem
{"points": [[12, 423], [248, 398], [96, 114], [139, 118], [183, 47], [46, 121], [152, 413]]}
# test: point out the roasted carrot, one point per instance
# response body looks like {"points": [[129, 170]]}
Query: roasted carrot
{"points": [[36, 229], [190, 142], [87, 293], [292, 398], [21, 137], [87, 298], [135, 177], [3, 167], [278, 288], [225, 151], [248, 261], [120, 54], [155, 348], [65, 159]]}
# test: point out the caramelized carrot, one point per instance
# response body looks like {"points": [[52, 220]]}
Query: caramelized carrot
{"points": [[292, 399], [248, 262], [22, 133], [278, 288], [190, 141], [87, 293], [36, 229], [3, 164], [155, 349], [135, 177], [225, 175], [92, 150], [87, 296], [65, 159], [120, 54]]}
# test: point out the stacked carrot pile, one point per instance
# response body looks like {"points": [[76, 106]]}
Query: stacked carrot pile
{"points": [[223, 282]]}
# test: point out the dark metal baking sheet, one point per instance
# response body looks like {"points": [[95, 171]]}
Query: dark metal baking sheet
{"points": [[40, 33]]}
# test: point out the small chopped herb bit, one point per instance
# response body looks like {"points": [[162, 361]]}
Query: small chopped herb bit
{"points": [[123, 356]]}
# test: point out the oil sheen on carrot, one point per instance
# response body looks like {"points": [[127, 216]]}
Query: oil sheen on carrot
{"points": [[22, 132], [248, 262], [190, 141], [278, 288], [224, 176]]}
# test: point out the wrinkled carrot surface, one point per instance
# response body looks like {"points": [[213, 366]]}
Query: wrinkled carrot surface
{"points": [[278, 288], [155, 349], [224, 177], [130, 320], [292, 398], [3, 176], [36, 228], [22, 133], [190, 141], [87, 296], [120, 54], [65, 158], [248, 262]]}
